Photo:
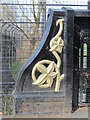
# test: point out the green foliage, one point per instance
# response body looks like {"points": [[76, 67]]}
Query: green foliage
{"points": [[16, 66]]}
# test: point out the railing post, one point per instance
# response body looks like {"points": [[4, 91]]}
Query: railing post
{"points": [[89, 4]]}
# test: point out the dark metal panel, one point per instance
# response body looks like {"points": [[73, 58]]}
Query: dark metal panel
{"points": [[24, 80], [71, 57], [48, 34], [82, 13], [32, 60], [69, 46]]}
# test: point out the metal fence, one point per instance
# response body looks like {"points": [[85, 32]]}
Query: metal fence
{"points": [[21, 27]]}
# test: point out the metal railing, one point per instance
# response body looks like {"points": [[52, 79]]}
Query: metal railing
{"points": [[21, 34]]}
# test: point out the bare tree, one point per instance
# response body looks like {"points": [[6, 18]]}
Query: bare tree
{"points": [[28, 29], [10, 16]]}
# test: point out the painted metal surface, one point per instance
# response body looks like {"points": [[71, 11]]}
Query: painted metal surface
{"points": [[48, 74]]}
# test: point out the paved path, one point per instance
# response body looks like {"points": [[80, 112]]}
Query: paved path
{"points": [[80, 113], [0, 115]]}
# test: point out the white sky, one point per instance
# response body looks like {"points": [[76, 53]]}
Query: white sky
{"points": [[75, 2], [48, 1]]}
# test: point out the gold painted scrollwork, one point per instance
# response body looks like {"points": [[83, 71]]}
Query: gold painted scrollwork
{"points": [[47, 74]]}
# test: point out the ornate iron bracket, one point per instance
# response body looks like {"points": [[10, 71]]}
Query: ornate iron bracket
{"points": [[47, 74]]}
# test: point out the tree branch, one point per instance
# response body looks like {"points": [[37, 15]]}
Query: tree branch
{"points": [[12, 19], [39, 10], [21, 30], [24, 13], [34, 15]]}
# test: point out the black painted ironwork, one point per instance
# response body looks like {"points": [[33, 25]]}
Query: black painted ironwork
{"points": [[75, 23], [84, 67], [12, 39]]}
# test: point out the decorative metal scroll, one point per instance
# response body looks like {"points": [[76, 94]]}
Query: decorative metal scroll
{"points": [[52, 72]]}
